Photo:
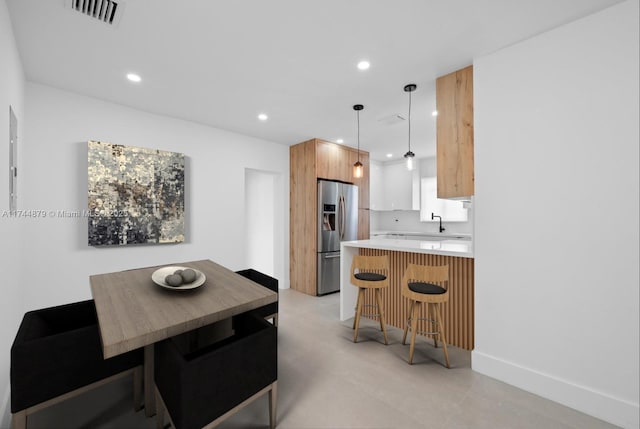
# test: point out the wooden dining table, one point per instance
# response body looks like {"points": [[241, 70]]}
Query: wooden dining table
{"points": [[135, 312]]}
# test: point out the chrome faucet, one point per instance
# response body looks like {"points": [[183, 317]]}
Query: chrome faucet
{"points": [[440, 218]]}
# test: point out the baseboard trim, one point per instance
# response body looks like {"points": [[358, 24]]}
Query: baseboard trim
{"points": [[584, 399], [4, 409]]}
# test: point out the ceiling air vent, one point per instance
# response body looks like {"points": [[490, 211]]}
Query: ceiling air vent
{"points": [[107, 11], [396, 118]]}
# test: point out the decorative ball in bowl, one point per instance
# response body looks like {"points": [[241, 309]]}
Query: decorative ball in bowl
{"points": [[178, 278]]}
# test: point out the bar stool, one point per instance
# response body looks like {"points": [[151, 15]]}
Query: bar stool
{"points": [[369, 272], [430, 285]]}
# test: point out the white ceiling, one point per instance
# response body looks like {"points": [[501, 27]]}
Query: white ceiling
{"points": [[222, 62]]}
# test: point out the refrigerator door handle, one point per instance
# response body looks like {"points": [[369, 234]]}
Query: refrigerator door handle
{"points": [[331, 256], [344, 220], [343, 217], [339, 220]]}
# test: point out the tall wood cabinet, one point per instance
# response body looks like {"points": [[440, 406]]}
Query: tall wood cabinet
{"points": [[454, 102], [309, 161]]}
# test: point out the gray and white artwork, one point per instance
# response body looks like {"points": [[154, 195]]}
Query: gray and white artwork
{"points": [[136, 195]]}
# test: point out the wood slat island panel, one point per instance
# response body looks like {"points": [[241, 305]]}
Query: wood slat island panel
{"points": [[457, 313]]}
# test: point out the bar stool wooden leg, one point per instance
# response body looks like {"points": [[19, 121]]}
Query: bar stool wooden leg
{"points": [[358, 313], [357, 306], [383, 325], [433, 322], [406, 325], [414, 331], [442, 337]]}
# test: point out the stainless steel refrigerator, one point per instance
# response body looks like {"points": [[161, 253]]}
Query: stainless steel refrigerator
{"points": [[337, 221]]}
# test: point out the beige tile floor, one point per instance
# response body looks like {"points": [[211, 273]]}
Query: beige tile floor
{"points": [[327, 381]]}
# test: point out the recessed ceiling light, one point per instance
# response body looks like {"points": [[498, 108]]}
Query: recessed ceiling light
{"points": [[363, 65], [263, 117], [434, 113], [339, 141], [134, 77], [389, 155]]}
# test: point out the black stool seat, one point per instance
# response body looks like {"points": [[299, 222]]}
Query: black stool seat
{"points": [[370, 277], [426, 288], [426, 284], [370, 273]]}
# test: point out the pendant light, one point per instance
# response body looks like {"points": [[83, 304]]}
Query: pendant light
{"points": [[357, 167], [409, 155]]}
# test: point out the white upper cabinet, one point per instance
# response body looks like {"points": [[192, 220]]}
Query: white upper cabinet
{"points": [[393, 187], [376, 193], [449, 210]]}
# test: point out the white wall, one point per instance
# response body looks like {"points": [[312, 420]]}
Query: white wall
{"points": [[54, 177], [556, 214], [11, 304]]}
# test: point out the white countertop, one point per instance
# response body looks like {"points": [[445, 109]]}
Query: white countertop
{"points": [[460, 248]]}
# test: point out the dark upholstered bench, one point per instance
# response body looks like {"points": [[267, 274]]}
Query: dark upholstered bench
{"points": [[269, 311], [57, 355], [203, 386]]}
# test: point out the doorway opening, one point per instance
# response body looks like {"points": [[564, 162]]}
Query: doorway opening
{"points": [[264, 211]]}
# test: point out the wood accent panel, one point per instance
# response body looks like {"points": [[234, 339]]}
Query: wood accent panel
{"points": [[454, 102], [363, 224], [333, 162], [363, 193], [309, 161], [457, 313], [302, 217]]}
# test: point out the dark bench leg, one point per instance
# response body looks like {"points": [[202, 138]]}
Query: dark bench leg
{"points": [[273, 402], [149, 383]]}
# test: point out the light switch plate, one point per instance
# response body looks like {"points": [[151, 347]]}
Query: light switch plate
{"points": [[13, 161]]}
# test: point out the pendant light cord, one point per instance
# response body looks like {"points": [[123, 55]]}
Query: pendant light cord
{"points": [[357, 172], [410, 121], [358, 119]]}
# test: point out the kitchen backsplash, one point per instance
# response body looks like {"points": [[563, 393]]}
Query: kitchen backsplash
{"points": [[409, 221]]}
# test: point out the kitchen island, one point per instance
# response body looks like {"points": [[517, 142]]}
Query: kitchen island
{"points": [[458, 254]]}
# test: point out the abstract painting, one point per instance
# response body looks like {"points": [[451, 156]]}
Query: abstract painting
{"points": [[136, 195]]}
